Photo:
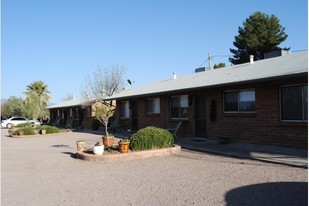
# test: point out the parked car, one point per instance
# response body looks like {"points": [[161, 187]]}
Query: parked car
{"points": [[8, 123]]}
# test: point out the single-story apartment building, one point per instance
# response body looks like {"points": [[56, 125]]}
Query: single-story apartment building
{"points": [[75, 113], [261, 102]]}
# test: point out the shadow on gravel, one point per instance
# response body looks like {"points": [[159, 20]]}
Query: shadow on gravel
{"points": [[61, 146], [73, 155], [88, 131], [274, 193]]}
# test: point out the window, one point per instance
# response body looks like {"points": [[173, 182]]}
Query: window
{"points": [[71, 113], [179, 107], [19, 119], [153, 106], [239, 101], [124, 109], [294, 103]]}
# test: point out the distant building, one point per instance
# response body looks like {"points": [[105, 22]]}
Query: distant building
{"points": [[75, 113]]}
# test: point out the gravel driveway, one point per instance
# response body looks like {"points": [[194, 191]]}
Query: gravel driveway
{"points": [[40, 171]]}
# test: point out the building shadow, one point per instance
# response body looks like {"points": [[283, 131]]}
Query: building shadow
{"points": [[268, 194], [121, 135], [88, 131]]}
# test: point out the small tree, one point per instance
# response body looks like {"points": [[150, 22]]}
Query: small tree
{"points": [[220, 65], [103, 113], [12, 107]]}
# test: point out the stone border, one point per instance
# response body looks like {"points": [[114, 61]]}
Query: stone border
{"points": [[37, 135], [128, 156]]}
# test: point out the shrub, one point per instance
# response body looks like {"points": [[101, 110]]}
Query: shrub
{"points": [[29, 131], [49, 129], [26, 130], [151, 138], [52, 129], [43, 127], [23, 125]]}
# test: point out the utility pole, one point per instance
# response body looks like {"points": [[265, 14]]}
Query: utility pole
{"points": [[209, 60]]}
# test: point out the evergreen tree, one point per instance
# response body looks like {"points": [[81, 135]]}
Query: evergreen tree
{"points": [[260, 34]]}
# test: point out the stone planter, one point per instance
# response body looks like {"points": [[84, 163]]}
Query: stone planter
{"points": [[123, 147], [80, 145], [108, 141]]}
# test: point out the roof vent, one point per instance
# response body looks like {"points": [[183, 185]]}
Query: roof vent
{"points": [[200, 69], [276, 53], [174, 75], [251, 59]]}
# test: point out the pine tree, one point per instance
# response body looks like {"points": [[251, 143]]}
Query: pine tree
{"points": [[260, 34]]}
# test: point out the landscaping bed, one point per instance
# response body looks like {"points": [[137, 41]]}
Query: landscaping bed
{"points": [[147, 142], [114, 155], [39, 135]]}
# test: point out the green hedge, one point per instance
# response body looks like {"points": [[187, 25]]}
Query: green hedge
{"points": [[49, 129], [26, 130], [151, 138], [29, 131]]}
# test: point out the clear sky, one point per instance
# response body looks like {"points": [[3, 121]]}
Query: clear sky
{"points": [[62, 41]]}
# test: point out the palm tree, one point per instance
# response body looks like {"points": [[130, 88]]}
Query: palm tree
{"points": [[38, 88], [37, 99]]}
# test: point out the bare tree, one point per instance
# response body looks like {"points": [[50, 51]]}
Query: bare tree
{"points": [[103, 113], [104, 82]]}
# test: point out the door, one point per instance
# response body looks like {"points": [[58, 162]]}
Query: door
{"points": [[134, 115], [200, 116]]}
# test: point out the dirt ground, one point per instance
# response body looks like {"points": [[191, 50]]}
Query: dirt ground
{"points": [[43, 171]]}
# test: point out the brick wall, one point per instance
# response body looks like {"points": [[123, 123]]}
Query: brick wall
{"points": [[262, 127]]}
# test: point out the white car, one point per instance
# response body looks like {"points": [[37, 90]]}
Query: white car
{"points": [[8, 123]]}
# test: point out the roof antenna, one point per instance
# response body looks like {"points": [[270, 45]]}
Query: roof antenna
{"points": [[130, 82]]}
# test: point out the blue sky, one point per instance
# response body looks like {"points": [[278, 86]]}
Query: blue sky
{"points": [[62, 41]]}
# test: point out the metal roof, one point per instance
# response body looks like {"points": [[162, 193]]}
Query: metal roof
{"points": [[277, 67], [68, 103]]}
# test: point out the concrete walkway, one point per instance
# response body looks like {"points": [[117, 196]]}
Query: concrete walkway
{"points": [[287, 156]]}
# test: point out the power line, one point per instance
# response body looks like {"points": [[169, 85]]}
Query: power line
{"points": [[209, 58]]}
